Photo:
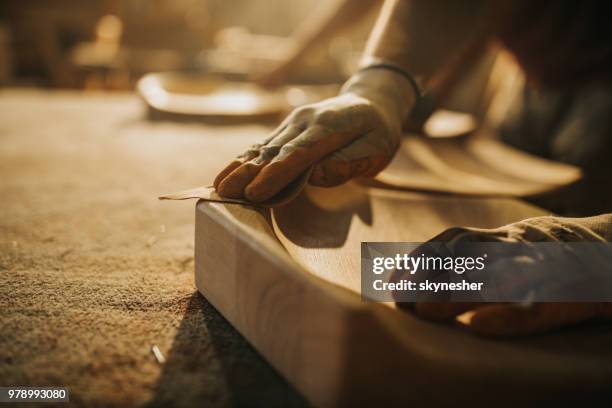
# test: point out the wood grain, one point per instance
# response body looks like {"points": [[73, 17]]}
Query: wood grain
{"points": [[322, 229], [285, 280]]}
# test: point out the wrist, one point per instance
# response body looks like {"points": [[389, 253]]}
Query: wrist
{"points": [[389, 91]]}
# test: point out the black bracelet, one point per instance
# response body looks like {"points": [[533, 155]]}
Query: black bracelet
{"points": [[399, 70]]}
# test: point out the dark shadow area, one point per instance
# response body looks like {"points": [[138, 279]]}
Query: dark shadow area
{"points": [[211, 364], [427, 382]]}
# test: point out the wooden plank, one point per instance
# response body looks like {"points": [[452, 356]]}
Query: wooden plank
{"points": [[293, 297]]}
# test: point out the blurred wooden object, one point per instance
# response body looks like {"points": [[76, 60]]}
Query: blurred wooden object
{"points": [[55, 42], [181, 95], [288, 281], [44, 32], [102, 60], [339, 219], [474, 166]]}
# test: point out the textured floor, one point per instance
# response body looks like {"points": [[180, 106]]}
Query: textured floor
{"points": [[94, 271]]}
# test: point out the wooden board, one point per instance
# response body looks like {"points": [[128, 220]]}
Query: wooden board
{"points": [[339, 219], [293, 297]]}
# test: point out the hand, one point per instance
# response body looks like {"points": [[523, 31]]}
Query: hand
{"points": [[352, 135], [503, 319]]}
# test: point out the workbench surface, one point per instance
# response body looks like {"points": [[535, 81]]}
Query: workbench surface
{"points": [[95, 271]]}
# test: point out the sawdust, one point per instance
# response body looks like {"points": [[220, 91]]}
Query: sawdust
{"points": [[95, 271]]}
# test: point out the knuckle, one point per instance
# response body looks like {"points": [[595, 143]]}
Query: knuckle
{"points": [[301, 113], [269, 152], [325, 117], [287, 149], [251, 151]]}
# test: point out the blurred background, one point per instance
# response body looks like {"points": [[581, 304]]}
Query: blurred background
{"points": [[109, 44]]}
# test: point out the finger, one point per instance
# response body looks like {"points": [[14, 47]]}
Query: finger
{"points": [[514, 320], [234, 181], [275, 176], [443, 311], [289, 133], [251, 153], [293, 159], [232, 186], [226, 171]]}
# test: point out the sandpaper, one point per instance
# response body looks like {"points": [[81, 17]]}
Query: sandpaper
{"points": [[208, 193]]}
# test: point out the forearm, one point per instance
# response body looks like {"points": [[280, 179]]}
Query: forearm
{"points": [[426, 36], [329, 21], [391, 93], [428, 39]]}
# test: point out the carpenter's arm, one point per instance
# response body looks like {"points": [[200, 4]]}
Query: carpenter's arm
{"points": [[356, 133], [316, 30], [427, 36]]}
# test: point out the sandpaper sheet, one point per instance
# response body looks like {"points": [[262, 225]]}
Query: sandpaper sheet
{"points": [[208, 193]]}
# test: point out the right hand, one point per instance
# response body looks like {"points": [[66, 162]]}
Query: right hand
{"points": [[352, 135], [538, 270]]}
